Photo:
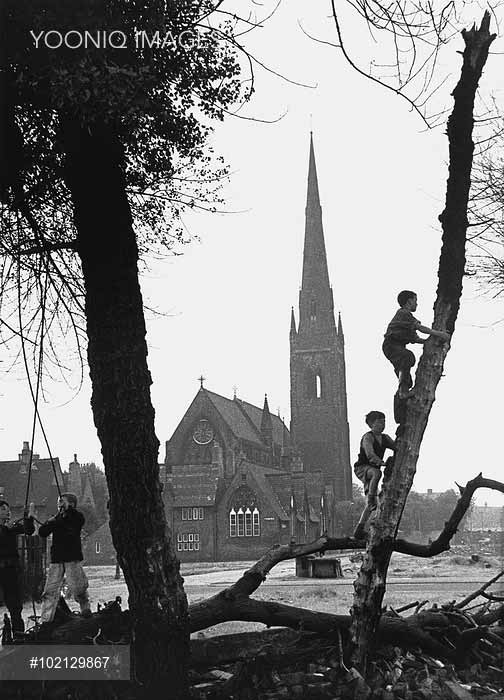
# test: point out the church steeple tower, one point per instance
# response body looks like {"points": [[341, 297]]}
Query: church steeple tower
{"points": [[318, 396]]}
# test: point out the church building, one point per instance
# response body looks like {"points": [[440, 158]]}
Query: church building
{"points": [[236, 480]]}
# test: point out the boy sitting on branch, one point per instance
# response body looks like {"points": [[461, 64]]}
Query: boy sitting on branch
{"points": [[368, 466]]}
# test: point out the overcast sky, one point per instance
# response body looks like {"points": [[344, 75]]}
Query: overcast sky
{"points": [[228, 297]]}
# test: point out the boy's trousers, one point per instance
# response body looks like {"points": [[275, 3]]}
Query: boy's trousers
{"points": [[77, 581]]}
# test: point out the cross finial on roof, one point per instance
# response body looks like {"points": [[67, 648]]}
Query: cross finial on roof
{"points": [[235, 389], [201, 379]]}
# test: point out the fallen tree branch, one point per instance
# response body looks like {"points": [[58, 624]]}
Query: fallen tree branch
{"points": [[480, 591]]}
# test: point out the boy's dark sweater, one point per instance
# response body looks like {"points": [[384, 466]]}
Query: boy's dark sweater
{"points": [[65, 528], [8, 540]]}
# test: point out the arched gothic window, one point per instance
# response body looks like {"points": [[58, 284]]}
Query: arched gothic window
{"points": [[313, 310], [232, 523], [248, 523], [256, 525], [241, 522], [244, 523], [244, 516]]}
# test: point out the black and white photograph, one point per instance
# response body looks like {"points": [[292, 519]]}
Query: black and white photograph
{"points": [[251, 341]]}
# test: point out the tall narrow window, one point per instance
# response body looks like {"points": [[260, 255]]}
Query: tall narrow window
{"points": [[318, 388], [200, 513], [97, 547], [232, 523], [195, 513], [184, 513], [248, 523], [241, 523], [313, 310], [255, 520]]}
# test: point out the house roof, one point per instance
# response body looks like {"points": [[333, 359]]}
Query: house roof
{"points": [[43, 490], [194, 485]]}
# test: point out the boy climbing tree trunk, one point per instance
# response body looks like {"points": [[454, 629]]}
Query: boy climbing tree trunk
{"points": [[370, 584]]}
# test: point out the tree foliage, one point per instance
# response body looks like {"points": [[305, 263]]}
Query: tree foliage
{"points": [[159, 102]]}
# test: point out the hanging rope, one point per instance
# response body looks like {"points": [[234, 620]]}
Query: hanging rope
{"points": [[35, 395], [37, 389]]}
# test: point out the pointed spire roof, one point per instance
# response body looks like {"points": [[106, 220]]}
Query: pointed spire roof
{"points": [[315, 296], [293, 322], [313, 197], [266, 423]]}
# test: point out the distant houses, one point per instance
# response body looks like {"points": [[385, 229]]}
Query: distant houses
{"points": [[43, 490]]}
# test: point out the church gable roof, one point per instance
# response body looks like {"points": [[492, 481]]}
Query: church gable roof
{"points": [[193, 485], [281, 434], [238, 423]]}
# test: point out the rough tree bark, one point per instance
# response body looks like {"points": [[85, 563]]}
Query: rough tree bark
{"points": [[122, 407], [370, 584]]}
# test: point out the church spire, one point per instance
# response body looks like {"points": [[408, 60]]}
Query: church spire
{"points": [[313, 197], [266, 423], [315, 298], [340, 327], [319, 426], [293, 323]]}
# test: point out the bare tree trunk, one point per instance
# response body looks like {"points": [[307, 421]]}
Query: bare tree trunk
{"points": [[122, 408], [370, 584]]}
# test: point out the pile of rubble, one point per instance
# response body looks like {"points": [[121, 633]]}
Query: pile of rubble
{"points": [[468, 663], [394, 675]]}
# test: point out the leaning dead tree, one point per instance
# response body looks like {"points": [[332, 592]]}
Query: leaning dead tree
{"points": [[371, 581]]}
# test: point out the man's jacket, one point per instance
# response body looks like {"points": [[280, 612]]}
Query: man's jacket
{"points": [[65, 529]]}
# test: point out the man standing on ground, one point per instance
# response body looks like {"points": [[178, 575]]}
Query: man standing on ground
{"points": [[66, 557]]}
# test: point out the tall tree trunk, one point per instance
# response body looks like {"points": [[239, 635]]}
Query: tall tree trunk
{"points": [[122, 407], [370, 584]]}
